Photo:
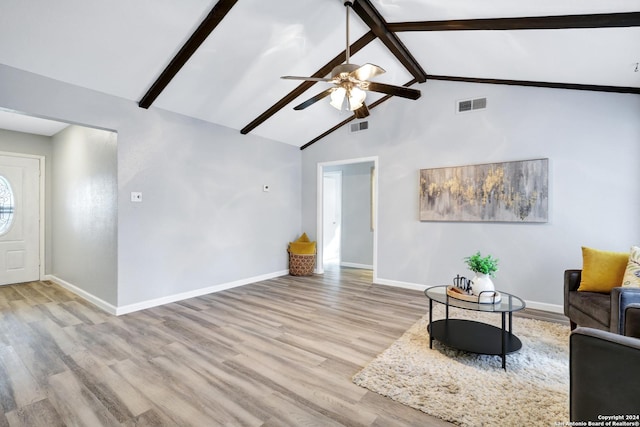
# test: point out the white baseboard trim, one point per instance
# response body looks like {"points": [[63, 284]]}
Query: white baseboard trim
{"points": [[356, 265], [100, 303], [111, 309], [196, 293], [553, 308], [398, 284], [130, 308]]}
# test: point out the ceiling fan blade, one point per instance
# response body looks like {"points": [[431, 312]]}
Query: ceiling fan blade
{"points": [[362, 112], [401, 91], [367, 71], [315, 99], [309, 79]]}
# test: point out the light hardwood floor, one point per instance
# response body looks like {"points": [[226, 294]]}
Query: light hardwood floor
{"points": [[275, 353]]}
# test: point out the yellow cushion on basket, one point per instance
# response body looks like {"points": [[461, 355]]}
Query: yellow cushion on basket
{"points": [[302, 248], [631, 277], [602, 270], [303, 238]]}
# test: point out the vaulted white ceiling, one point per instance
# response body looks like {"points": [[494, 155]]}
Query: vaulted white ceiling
{"points": [[120, 47], [10, 120]]}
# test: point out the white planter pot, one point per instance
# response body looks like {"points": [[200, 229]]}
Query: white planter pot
{"points": [[482, 283]]}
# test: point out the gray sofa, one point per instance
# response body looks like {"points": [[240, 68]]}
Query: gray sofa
{"points": [[604, 372], [598, 310]]}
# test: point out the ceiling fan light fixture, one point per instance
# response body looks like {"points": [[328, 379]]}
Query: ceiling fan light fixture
{"points": [[337, 98], [356, 98], [351, 81], [353, 96]]}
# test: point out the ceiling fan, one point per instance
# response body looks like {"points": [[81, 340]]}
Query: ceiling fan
{"points": [[351, 82]]}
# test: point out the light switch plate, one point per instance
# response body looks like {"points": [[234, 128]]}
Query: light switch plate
{"points": [[265, 188], [136, 196]]}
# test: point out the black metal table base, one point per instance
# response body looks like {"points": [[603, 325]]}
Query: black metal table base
{"points": [[474, 337]]}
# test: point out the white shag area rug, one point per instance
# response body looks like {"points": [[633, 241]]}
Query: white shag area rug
{"points": [[473, 390]]}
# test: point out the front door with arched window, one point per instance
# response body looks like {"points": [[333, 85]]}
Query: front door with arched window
{"points": [[19, 219]]}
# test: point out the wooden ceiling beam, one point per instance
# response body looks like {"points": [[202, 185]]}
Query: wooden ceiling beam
{"points": [[552, 85], [600, 20], [322, 72], [385, 31], [597, 88], [344, 122], [205, 28], [370, 16]]}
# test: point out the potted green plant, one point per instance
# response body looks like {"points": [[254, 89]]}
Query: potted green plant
{"points": [[485, 268], [484, 265]]}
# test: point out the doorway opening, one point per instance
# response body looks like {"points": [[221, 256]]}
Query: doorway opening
{"points": [[78, 229], [347, 214]]}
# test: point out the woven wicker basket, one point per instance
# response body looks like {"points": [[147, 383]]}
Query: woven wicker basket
{"points": [[301, 265]]}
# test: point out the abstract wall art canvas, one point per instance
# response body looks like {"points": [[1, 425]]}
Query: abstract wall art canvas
{"points": [[495, 192]]}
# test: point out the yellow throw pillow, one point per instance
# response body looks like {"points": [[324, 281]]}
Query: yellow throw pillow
{"points": [[631, 277], [302, 248], [303, 238], [602, 270]]}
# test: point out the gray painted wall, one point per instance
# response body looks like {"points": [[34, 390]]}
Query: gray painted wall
{"points": [[592, 141], [204, 219], [357, 235], [38, 145], [84, 210]]}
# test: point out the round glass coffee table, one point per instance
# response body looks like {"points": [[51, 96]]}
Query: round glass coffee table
{"points": [[470, 335]]}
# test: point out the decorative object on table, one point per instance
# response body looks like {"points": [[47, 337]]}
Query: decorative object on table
{"points": [[485, 268], [470, 389], [487, 297], [462, 283], [461, 290], [302, 256], [497, 192]]}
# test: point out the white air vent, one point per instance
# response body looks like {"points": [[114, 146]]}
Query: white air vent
{"points": [[357, 127], [471, 104]]}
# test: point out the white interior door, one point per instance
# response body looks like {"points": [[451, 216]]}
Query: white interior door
{"points": [[332, 217], [19, 219]]}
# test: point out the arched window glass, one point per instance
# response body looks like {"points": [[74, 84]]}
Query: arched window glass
{"points": [[6, 205]]}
